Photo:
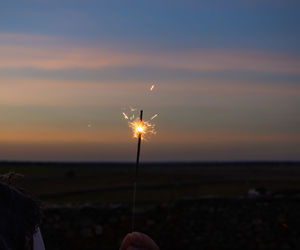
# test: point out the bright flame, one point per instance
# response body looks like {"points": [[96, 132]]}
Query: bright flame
{"points": [[144, 128], [152, 87], [140, 129]]}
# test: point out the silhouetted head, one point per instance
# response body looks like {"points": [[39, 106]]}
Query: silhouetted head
{"points": [[19, 216]]}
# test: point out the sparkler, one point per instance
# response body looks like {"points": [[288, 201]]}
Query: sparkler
{"points": [[139, 131]]}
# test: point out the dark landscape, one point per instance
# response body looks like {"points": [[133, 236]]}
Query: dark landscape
{"points": [[236, 205]]}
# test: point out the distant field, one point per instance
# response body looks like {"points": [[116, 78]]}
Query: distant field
{"points": [[57, 183]]}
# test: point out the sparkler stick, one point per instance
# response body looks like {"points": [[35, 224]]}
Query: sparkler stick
{"points": [[140, 132]]}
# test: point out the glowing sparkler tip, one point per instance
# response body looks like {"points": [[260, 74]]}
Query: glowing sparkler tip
{"points": [[152, 87], [140, 129]]}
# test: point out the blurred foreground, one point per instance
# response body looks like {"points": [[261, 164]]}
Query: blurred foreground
{"points": [[181, 206], [224, 223]]}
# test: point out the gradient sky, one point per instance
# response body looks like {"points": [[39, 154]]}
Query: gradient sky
{"points": [[227, 77]]}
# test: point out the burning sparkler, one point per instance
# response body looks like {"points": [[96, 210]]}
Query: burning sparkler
{"points": [[141, 130], [146, 128]]}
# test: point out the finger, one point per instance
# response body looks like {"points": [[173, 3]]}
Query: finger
{"points": [[126, 242], [134, 248], [142, 241]]}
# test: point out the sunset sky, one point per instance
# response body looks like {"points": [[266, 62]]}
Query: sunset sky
{"points": [[226, 75]]}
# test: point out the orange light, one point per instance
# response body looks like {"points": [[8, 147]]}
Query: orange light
{"points": [[140, 129]]}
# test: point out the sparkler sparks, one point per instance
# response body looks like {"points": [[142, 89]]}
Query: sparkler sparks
{"points": [[146, 128], [125, 116], [152, 87], [132, 109], [153, 117]]}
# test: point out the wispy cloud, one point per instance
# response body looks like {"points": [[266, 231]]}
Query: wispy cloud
{"points": [[56, 54], [48, 135], [49, 92], [228, 137], [22, 91]]}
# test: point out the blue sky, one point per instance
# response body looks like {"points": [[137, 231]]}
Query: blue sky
{"points": [[226, 73], [161, 24]]}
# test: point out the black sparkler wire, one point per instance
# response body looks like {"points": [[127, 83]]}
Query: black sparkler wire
{"points": [[136, 173]]}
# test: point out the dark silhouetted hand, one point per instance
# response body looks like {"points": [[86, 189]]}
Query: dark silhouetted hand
{"points": [[138, 241]]}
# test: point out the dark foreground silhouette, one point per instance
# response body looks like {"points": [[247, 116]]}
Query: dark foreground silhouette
{"points": [[20, 221], [207, 223]]}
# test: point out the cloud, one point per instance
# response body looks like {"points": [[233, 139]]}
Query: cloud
{"points": [[31, 51], [225, 87], [26, 91], [50, 135], [227, 136], [49, 92]]}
